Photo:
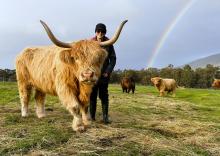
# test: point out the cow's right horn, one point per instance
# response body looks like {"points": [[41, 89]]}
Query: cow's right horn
{"points": [[115, 37], [53, 38]]}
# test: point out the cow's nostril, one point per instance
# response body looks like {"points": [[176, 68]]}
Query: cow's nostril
{"points": [[88, 74], [92, 73]]}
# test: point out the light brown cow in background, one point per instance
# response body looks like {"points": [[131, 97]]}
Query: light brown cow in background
{"points": [[68, 71], [164, 85], [216, 84]]}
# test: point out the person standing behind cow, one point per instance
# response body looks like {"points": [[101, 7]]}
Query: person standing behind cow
{"points": [[101, 88]]}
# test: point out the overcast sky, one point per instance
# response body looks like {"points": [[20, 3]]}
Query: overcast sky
{"points": [[195, 35]]}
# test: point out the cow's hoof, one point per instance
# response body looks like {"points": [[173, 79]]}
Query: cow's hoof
{"points": [[79, 129], [24, 114], [41, 115], [87, 123]]}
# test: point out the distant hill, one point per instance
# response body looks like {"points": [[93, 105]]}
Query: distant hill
{"points": [[213, 60]]}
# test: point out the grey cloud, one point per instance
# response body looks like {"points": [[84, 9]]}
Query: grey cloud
{"points": [[194, 36]]}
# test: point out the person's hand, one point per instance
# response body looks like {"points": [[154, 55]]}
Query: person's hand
{"points": [[105, 74]]}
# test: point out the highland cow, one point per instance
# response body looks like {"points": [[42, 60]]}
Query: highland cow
{"points": [[128, 84], [67, 70], [164, 85], [216, 84]]}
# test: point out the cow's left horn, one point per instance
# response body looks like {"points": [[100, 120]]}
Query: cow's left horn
{"points": [[115, 37], [53, 38]]}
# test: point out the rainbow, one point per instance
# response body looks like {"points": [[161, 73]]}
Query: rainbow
{"points": [[167, 32]]}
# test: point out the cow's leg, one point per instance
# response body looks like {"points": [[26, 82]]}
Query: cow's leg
{"points": [[85, 116], [73, 106], [68, 98], [174, 92], [133, 90], [129, 90], [24, 87], [25, 93], [40, 98], [161, 93], [77, 118]]}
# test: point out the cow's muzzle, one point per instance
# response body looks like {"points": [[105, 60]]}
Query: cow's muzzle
{"points": [[88, 77], [87, 74]]}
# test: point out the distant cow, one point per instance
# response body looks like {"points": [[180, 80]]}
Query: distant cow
{"points": [[128, 84], [216, 84], [68, 71], [164, 85]]}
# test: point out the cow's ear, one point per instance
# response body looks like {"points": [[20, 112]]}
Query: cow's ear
{"points": [[65, 56], [152, 79], [160, 80]]}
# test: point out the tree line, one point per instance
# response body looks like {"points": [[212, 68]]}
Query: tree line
{"points": [[185, 76], [7, 75]]}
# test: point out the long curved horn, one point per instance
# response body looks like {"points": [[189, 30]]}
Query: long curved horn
{"points": [[115, 37], [53, 38]]}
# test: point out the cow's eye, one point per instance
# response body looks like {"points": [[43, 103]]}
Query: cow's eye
{"points": [[72, 59], [76, 58]]}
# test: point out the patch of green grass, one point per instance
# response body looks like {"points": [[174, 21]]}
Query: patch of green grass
{"points": [[164, 152], [11, 119], [130, 148], [198, 150], [205, 101], [43, 137], [142, 124], [8, 92]]}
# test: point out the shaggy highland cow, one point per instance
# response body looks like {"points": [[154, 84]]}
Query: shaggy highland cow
{"points": [[67, 70], [164, 85], [128, 84], [216, 84]]}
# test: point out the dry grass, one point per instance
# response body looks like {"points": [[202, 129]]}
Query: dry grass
{"points": [[142, 124]]}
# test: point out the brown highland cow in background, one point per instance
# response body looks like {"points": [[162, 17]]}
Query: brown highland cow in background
{"points": [[128, 84], [68, 71]]}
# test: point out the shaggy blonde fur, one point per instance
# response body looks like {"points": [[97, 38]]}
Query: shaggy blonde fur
{"points": [[164, 85], [216, 83], [68, 73]]}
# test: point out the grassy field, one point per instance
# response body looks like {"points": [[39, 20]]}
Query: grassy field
{"points": [[142, 124]]}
